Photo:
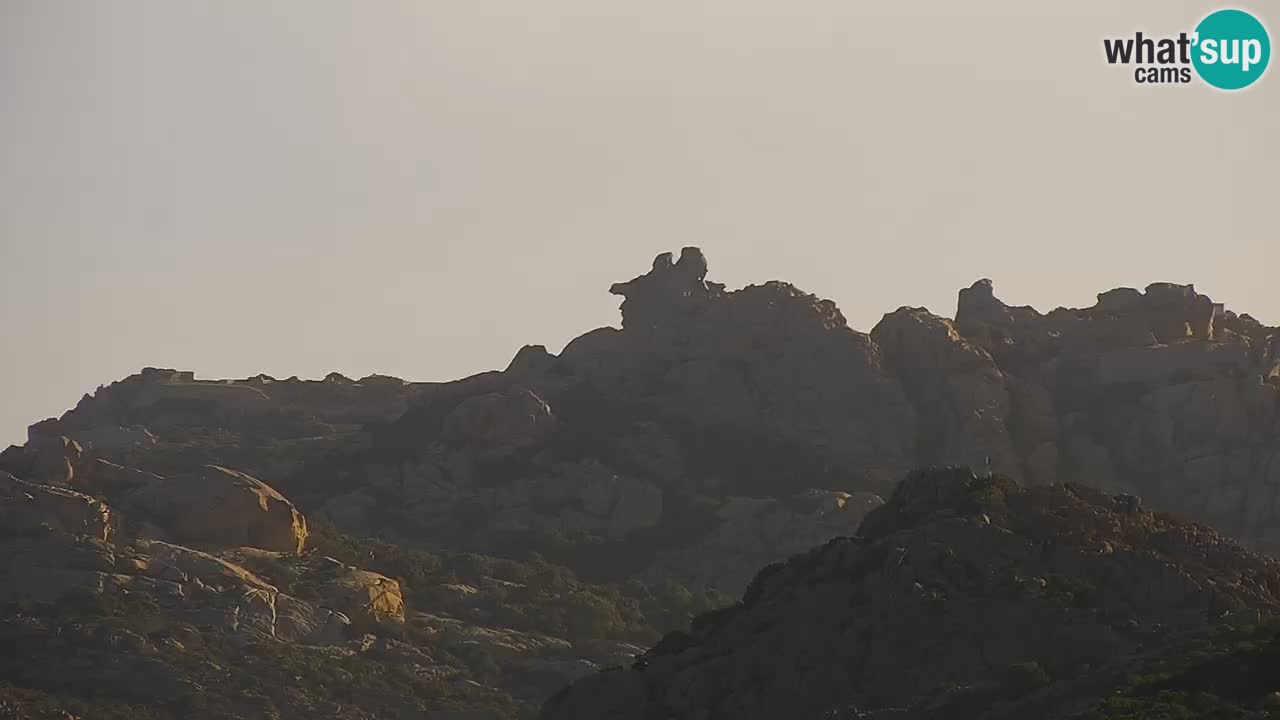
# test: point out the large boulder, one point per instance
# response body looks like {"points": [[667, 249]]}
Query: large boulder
{"points": [[369, 599], [220, 508]]}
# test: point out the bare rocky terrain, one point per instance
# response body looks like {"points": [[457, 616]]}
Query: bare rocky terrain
{"points": [[375, 548], [973, 597]]}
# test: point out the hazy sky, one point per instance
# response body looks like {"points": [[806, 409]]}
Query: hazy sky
{"points": [[419, 188]]}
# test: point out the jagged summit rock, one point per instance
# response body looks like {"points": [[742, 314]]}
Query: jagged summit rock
{"points": [[1164, 313], [768, 359], [667, 292]]}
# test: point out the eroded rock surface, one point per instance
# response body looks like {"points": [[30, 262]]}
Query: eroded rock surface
{"points": [[598, 496], [956, 582], [220, 507]]}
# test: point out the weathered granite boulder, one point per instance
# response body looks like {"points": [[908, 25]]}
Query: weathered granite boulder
{"points": [[368, 598], [218, 508]]}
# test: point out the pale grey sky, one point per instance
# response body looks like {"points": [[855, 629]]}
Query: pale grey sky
{"points": [[419, 188]]}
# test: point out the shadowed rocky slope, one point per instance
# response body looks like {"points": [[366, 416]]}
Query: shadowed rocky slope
{"points": [[968, 597], [551, 519]]}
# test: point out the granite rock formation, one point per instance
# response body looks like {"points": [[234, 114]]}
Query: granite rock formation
{"points": [[506, 533], [962, 597]]}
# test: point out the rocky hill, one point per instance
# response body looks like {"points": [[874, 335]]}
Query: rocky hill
{"points": [[543, 522], [972, 597]]}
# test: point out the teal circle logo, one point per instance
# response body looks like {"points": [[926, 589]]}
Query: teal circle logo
{"points": [[1232, 49]]}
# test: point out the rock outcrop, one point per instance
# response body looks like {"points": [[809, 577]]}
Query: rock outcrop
{"points": [[220, 508], [582, 501], [370, 599], [961, 397], [957, 582], [1161, 393], [49, 459], [706, 394], [29, 507], [768, 359], [102, 619]]}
